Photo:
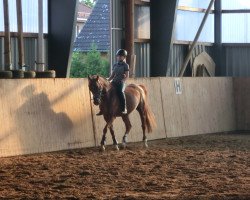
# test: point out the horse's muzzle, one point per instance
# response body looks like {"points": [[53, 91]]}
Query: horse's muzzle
{"points": [[97, 101]]}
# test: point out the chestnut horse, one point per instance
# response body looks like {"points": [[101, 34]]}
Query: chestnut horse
{"points": [[105, 96]]}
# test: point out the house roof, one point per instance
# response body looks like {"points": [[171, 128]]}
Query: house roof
{"points": [[96, 30], [84, 11]]}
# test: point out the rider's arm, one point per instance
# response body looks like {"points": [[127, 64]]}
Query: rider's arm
{"points": [[126, 75], [111, 77], [126, 72]]}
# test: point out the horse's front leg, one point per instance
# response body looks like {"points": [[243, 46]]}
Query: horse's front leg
{"points": [[110, 126], [115, 142], [103, 141]]}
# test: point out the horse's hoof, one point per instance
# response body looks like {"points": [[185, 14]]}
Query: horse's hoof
{"points": [[103, 148], [124, 145], [117, 148], [146, 143]]}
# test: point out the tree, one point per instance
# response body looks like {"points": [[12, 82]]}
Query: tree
{"points": [[89, 64], [89, 3]]}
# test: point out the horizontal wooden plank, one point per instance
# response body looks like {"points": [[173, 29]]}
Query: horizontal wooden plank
{"points": [[142, 3], [138, 40], [26, 35]]}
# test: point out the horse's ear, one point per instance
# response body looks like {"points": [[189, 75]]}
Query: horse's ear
{"points": [[89, 77], [97, 77]]}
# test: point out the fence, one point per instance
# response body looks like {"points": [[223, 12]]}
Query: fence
{"points": [[44, 115]]}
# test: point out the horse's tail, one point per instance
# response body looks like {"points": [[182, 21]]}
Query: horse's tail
{"points": [[150, 118]]}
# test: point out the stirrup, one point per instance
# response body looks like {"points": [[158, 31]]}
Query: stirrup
{"points": [[99, 114]]}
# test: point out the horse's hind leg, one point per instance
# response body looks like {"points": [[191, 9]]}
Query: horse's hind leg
{"points": [[143, 122], [115, 143], [128, 125]]}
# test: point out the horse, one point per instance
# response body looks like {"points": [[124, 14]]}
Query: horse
{"points": [[106, 97]]}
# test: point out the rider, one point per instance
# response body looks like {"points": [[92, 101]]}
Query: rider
{"points": [[120, 73]]}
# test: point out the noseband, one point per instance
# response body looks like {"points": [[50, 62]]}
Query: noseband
{"points": [[98, 95]]}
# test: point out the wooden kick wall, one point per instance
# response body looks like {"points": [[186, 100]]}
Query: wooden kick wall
{"points": [[242, 103], [205, 105], [43, 115]]}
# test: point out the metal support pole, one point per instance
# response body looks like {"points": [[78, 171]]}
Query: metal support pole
{"points": [[218, 37], [184, 66], [20, 33], [40, 46], [129, 30], [7, 48]]}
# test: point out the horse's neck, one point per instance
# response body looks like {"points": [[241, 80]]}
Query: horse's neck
{"points": [[107, 91], [105, 85]]}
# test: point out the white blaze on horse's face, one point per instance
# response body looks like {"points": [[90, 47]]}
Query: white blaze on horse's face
{"points": [[95, 89]]}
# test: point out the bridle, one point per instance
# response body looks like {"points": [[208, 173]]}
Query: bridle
{"points": [[97, 96]]}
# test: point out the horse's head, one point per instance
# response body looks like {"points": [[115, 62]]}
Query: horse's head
{"points": [[96, 88]]}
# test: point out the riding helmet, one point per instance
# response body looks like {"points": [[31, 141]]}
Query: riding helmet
{"points": [[122, 52]]}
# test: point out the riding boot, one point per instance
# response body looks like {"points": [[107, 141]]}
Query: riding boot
{"points": [[124, 104]]}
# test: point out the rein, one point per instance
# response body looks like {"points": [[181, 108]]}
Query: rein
{"points": [[99, 94]]}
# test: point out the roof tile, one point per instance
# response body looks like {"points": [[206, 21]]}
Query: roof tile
{"points": [[96, 30]]}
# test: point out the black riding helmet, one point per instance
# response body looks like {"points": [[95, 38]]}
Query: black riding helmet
{"points": [[122, 52]]}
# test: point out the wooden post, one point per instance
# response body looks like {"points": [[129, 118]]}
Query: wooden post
{"points": [[129, 29], [7, 48], [20, 33], [184, 66], [40, 46], [132, 66]]}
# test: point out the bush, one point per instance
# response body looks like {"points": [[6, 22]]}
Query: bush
{"points": [[89, 64]]}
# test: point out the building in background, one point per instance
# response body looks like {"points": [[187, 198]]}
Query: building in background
{"points": [[83, 14], [96, 30]]}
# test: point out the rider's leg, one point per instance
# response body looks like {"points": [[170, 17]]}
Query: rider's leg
{"points": [[123, 98]]}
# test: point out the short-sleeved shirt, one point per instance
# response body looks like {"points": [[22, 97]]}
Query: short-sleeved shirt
{"points": [[119, 69]]}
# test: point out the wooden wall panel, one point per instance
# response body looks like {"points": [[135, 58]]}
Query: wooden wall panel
{"points": [[206, 105], [44, 115], [153, 86], [242, 103]]}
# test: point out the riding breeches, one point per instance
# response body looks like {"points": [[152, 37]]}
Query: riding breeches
{"points": [[120, 88]]}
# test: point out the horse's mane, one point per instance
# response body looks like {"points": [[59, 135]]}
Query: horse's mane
{"points": [[103, 81]]}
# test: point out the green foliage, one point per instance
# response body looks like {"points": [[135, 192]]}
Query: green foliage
{"points": [[89, 64], [89, 3]]}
